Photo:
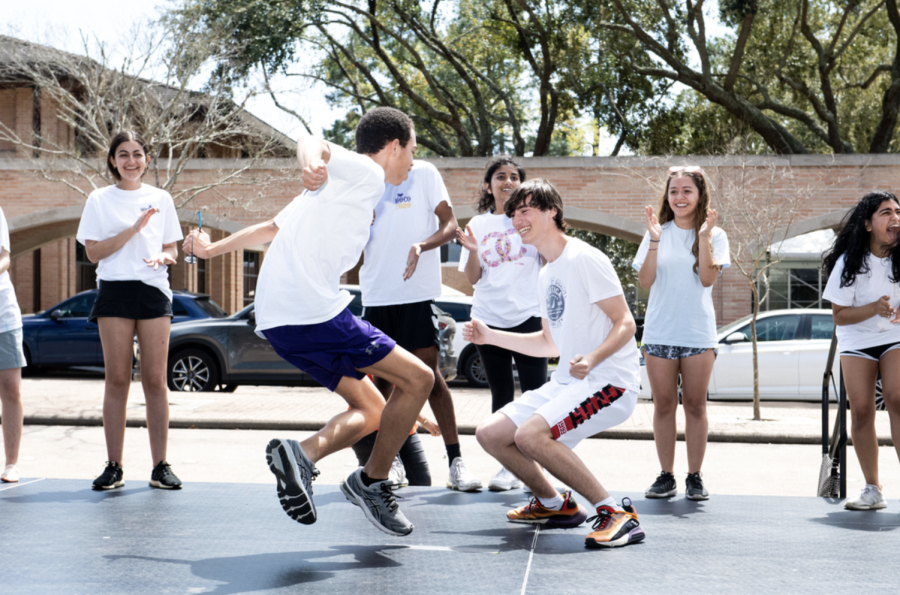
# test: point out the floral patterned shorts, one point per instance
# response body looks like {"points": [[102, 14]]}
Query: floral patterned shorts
{"points": [[674, 351]]}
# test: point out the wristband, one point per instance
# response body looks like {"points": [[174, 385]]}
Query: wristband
{"points": [[655, 241], [652, 249]]}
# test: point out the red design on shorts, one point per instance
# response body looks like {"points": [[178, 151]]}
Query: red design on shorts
{"points": [[601, 399]]}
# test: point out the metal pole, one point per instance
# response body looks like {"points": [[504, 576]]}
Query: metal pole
{"points": [[842, 416]]}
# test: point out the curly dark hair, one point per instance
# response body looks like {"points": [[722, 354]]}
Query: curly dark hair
{"points": [[380, 126], [485, 202], [123, 136], [852, 240], [665, 209], [543, 197]]}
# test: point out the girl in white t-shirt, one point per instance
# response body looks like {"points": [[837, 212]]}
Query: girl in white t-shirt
{"points": [[679, 259], [504, 272], [12, 360], [131, 230], [863, 268]]}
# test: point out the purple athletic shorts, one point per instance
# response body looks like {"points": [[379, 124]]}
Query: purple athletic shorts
{"points": [[329, 350]]}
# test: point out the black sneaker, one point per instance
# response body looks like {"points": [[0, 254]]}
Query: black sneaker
{"points": [[663, 487], [112, 477], [694, 487], [163, 478], [294, 472]]}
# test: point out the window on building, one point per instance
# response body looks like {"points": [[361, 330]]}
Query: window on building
{"points": [[201, 275], [794, 285], [450, 253], [85, 270], [251, 274]]}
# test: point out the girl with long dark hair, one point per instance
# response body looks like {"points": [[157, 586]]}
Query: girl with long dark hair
{"points": [[131, 231], [679, 260], [504, 272], [863, 268]]}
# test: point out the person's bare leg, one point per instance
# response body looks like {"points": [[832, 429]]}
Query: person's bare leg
{"points": [[695, 374], [117, 340], [535, 440], [440, 399], [663, 375], [153, 339], [346, 428], [890, 389], [412, 382], [497, 436], [12, 412], [859, 377]]}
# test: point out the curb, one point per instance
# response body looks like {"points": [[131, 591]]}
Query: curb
{"points": [[465, 429]]}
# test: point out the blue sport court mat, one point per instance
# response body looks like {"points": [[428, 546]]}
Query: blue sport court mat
{"points": [[60, 537]]}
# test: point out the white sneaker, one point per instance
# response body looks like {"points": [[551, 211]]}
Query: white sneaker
{"points": [[461, 478], [397, 476], [870, 498], [504, 480], [10, 474]]}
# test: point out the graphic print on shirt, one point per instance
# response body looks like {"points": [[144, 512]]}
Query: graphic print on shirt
{"points": [[556, 302], [502, 247], [587, 409], [402, 201]]}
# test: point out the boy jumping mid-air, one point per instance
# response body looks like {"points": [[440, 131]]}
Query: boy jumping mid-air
{"points": [[588, 324], [302, 311]]}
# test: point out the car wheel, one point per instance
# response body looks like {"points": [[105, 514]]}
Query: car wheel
{"points": [[474, 370], [227, 388], [879, 396], [192, 370]]}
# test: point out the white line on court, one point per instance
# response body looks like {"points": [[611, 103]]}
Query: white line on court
{"points": [[537, 531], [19, 484]]}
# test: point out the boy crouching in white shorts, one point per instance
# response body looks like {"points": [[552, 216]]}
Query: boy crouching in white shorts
{"points": [[588, 324]]}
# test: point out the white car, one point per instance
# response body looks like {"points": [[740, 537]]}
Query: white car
{"points": [[793, 351]]}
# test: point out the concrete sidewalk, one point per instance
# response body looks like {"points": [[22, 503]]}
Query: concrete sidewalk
{"points": [[78, 402]]}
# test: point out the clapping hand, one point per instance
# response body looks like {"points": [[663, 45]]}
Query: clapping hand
{"points": [[712, 217], [157, 260], [467, 239], [653, 225]]}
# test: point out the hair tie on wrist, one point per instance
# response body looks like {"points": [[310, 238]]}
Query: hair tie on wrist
{"points": [[654, 240]]}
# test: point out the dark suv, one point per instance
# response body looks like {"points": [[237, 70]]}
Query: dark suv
{"points": [[225, 353], [62, 335]]}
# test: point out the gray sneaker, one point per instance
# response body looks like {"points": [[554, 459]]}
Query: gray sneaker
{"points": [[694, 489], [294, 473], [663, 487], [378, 503]]}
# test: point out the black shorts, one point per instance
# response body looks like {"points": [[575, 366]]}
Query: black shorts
{"points": [[412, 326], [872, 353], [129, 299]]}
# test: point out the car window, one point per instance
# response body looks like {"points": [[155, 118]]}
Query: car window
{"points": [[213, 309], [178, 308], [822, 327], [355, 306], [774, 328], [77, 307], [459, 312]]}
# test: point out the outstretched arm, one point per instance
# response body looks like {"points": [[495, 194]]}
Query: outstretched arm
{"points": [[198, 241], [539, 344]]}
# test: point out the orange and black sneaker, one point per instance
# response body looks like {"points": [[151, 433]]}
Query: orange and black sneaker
{"points": [[571, 514], [615, 528]]}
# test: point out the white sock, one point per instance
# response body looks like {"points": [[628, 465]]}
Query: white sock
{"points": [[608, 502], [554, 503]]}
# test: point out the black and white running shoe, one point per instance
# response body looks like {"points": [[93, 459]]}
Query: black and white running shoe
{"points": [[294, 474], [694, 489], [163, 478], [112, 477], [378, 502], [663, 487]]}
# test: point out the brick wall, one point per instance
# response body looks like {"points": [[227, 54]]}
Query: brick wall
{"points": [[620, 186]]}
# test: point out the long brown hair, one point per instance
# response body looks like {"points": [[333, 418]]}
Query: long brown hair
{"points": [[486, 201], [666, 214]]}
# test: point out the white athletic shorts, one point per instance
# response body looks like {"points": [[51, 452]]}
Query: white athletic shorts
{"points": [[574, 411]]}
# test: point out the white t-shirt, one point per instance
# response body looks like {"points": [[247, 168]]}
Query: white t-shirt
{"points": [[10, 315], [321, 235], [506, 294], [110, 211], [570, 286], [868, 287], [680, 310], [404, 216]]}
